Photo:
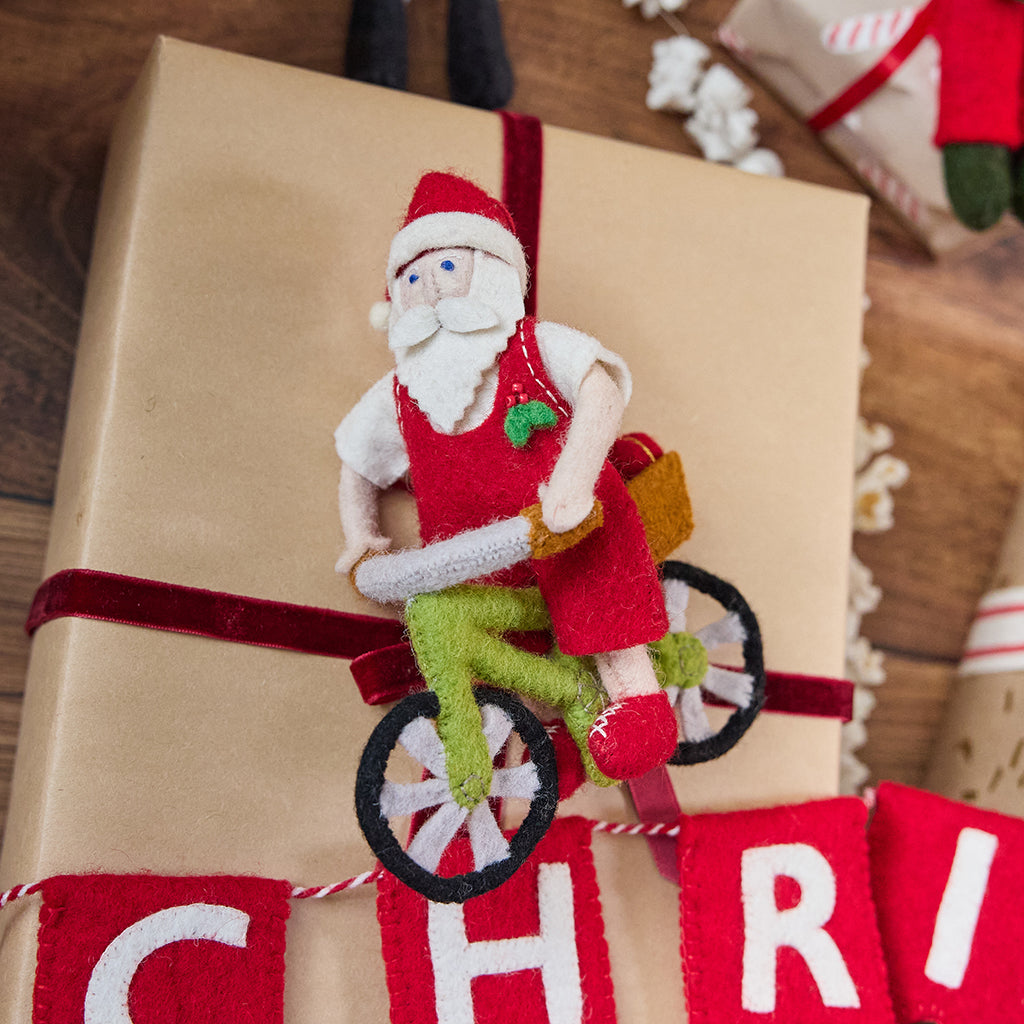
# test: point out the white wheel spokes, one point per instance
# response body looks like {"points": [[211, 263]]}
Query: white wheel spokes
{"points": [[497, 726], [422, 744], [399, 798], [485, 837], [521, 781], [726, 630], [677, 597], [692, 716], [435, 834], [737, 688]]}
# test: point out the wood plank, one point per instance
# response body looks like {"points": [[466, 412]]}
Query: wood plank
{"points": [[24, 528], [10, 716], [947, 374], [903, 725]]}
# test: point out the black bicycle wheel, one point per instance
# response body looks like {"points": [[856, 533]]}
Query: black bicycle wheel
{"points": [[496, 856], [743, 688]]}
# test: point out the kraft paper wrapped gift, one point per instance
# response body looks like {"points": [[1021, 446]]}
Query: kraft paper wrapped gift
{"points": [[810, 51], [242, 237]]}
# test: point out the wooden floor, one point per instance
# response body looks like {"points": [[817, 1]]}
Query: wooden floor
{"points": [[947, 370]]}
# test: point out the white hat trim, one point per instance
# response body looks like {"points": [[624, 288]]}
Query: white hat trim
{"points": [[455, 229]]}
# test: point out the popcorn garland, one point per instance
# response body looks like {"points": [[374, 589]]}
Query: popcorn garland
{"points": [[912, 911], [720, 119], [877, 474]]}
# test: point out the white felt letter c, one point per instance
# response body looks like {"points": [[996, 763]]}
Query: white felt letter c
{"points": [[106, 999]]}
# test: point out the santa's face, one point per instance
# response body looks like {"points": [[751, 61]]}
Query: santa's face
{"points": [[452, 314], [441, 274]]}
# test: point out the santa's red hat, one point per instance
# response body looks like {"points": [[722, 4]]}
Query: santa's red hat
{"points": [[445, 212]]}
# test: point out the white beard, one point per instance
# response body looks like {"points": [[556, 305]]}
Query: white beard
{"points": [[443, 354]]}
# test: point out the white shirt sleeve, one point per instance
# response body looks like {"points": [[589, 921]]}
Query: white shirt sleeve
{"points": [[368, 438], [569, 354]]}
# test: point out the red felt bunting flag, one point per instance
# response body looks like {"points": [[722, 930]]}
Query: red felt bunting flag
{"points": [[948, 881], [777, 919], [141, 949], [530, 952]]}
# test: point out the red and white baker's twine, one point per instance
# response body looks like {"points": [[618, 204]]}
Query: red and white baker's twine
{"points": [[892, 188], [317, 892], [17, 892], [618, 828]]}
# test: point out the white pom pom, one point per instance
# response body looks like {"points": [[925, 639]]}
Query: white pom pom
{"points": [[380, 313]]}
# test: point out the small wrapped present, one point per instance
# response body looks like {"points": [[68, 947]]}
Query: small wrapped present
{"points": [[244, 227], [865, 76]]}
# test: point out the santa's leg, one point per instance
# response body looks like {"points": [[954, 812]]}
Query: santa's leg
{"points": [[637, 731], [376, 49]]}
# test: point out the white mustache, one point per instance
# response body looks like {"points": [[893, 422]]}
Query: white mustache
{"points": [[461, 315]]}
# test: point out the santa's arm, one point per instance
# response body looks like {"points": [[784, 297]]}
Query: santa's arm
{"points": [[596, 419], [359, 505]]}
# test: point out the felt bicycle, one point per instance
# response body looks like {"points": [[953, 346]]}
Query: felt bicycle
{"points": [[443, 762]]}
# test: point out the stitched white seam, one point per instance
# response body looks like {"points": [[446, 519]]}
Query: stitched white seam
{"points": [[529, 365]]}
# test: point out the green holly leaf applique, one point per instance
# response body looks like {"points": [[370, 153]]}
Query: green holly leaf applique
{"points": [[522, 420]]}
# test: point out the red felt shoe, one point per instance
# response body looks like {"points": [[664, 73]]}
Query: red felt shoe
{"points": [[634, 735]]}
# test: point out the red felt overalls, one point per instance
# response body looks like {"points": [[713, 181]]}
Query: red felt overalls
{"points": [[604, 594]]}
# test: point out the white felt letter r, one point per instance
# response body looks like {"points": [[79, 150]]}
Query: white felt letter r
{"points": [[766, 928]]}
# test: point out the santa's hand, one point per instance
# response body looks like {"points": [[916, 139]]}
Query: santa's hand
{"points": [[563, 508], [355, 549]]}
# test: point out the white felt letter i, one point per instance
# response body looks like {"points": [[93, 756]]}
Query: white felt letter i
{"points": [[960, 907], [801, 927], [456, 960]]}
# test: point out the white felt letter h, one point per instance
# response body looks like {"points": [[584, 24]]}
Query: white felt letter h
{"points": [[457, 961]]}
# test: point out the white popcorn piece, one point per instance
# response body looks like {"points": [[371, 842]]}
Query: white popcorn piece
{"points": [[723, 124], [652, 8], [723, 135], [864, 592], [676, 73], [870, 439], [873, 504]]}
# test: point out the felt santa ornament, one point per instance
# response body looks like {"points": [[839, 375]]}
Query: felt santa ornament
{"points": [[489, 412], [479, 73], [981, 107]]}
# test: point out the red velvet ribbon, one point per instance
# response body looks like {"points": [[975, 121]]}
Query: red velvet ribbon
{"points": [[873, 79], [384, 667], [521, 189], [90, 594], [655, 801]]}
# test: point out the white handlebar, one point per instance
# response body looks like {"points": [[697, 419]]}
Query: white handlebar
{"points": [[394, 578]]}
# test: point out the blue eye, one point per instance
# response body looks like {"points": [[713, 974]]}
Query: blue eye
{"points": [[447, 265], [413, 278]]}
